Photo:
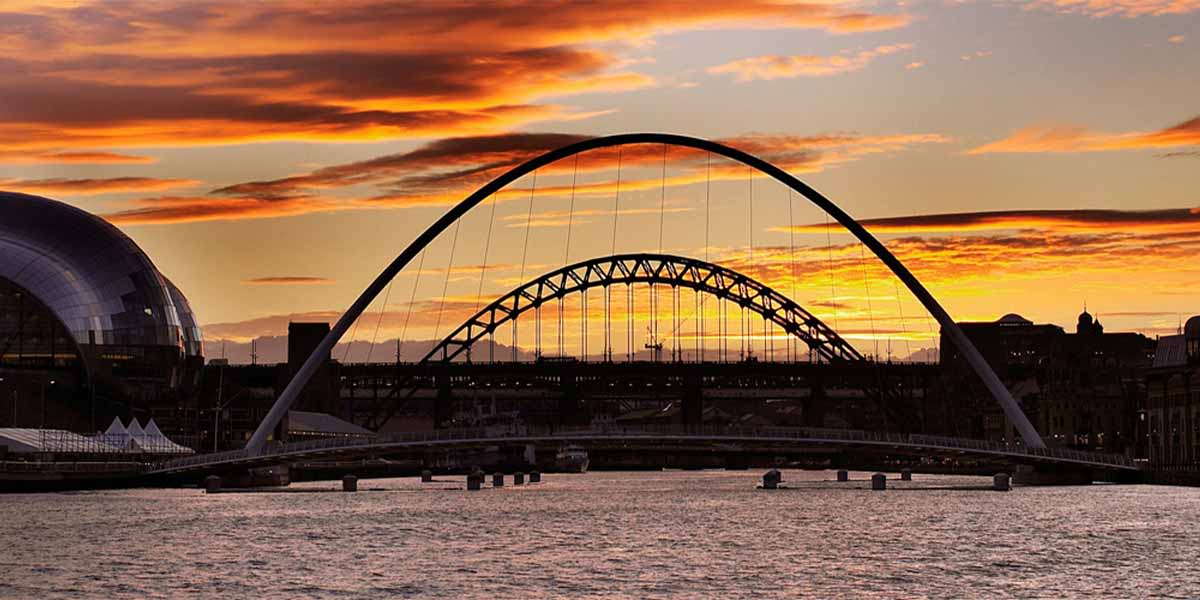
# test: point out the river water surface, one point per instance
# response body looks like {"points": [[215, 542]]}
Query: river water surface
{"points": [[660, 534]]}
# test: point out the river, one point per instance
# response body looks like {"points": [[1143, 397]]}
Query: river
{"points": [[650, 534]]}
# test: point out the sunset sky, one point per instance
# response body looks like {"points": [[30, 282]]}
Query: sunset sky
{"points": [[272, 157]]}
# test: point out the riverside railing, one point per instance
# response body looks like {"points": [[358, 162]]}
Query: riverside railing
{"points": [[734, 433]]}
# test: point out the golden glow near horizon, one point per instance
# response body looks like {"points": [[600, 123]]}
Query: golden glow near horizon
{"points": [[272, 157]]}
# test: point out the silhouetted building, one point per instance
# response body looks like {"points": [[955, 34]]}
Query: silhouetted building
{"points": [[1093, 386], [89, 328], [321, 392], [1080, 390], [1173, 399], [1015, 348]]}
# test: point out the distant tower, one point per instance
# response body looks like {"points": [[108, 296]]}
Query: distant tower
{"points": [[1088, 325]]}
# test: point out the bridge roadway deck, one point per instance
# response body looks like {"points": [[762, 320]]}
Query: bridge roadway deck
{"points": [[718, 437]]}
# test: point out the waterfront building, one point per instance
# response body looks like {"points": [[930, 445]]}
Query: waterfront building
{"points": [[1081, 390], [89, 327], [1172, 410]]}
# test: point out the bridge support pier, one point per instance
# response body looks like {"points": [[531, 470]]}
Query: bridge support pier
{"points": [[349, 483], [814, 405], [879, 482], [1001, 482], [692, 412], [843, 475], [443, 408], [570, 411], [771, 479], [1050, 475]]}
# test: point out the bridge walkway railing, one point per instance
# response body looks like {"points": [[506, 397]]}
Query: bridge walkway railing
{"points": [[499, 434]]}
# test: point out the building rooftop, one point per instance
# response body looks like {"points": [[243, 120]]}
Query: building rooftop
{"points": [[312, 424], [1171, 352]]}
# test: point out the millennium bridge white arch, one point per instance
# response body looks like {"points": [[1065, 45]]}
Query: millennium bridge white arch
{"points": [[1011, 410]]}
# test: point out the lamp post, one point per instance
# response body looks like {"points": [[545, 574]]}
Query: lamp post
{"points": [[14, 403], [220, 408], [43, 388]]}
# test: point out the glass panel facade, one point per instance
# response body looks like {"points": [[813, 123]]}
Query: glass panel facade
{"points": [[90, 275]]}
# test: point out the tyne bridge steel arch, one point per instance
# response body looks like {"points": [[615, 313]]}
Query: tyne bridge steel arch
{"points": [[1010, 407], [676, 271]]}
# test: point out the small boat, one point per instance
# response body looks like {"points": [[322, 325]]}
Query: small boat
{"points": [[571, 459]]}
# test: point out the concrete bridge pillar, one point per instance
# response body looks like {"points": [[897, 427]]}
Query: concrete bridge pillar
{"points": [[349, 483], [814, 404], [497, 479], [443, 405], [570, 409], [519, 478], [879, 482], [426, 476], [693, 403], [212, 484], [771, 479], [1001, 482], [843, 475], [906, 475], [475, 481]]}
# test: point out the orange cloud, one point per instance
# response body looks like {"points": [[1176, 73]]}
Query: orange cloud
{"points": [[94, 186], [444, 171], [1078, 220], [222, 71], [190, 209], [288, 281], [1077, 139], [773, 66], [73, 158], [1117, 8]]}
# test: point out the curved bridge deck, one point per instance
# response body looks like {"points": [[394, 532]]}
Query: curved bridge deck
{"points": [[776, 438]]}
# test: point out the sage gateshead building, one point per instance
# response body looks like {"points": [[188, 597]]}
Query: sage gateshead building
{"points": [[89, 327]]}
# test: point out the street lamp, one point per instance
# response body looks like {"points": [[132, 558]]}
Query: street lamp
{"points": [[44, 402]]}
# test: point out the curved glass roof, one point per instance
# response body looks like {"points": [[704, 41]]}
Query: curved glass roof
{"points": [[95, 279]]}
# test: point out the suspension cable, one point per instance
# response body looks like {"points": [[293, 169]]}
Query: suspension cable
{"points": [[411, 300], [567, 260], [487, 247], [437, 329], [707, 222], [382, 310], [903, 324], [867, 285], [748, 326], [792, 253], [616, 203], [524, 256], [350, 344], [832, 282]]}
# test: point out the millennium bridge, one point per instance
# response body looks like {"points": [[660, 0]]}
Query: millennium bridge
{"points": [[720, 439], [611, 279]]}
